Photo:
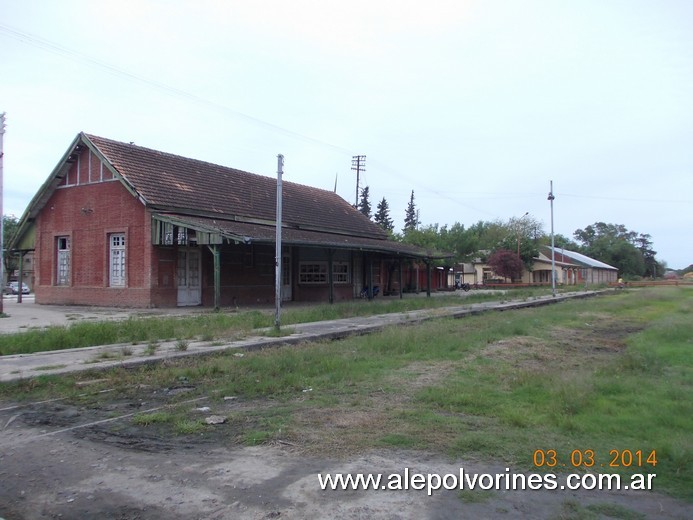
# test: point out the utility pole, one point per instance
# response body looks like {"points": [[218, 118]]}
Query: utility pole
{"points": [[553, 253], [278, 247], [358, 164], [2, 219], [517, 230]]}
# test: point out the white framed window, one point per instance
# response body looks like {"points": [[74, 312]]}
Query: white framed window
{"points": [[116, 260], [316, 272], [312, 272], [340, 272], [62, 273]]}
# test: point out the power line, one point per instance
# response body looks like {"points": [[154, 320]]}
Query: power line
{"points": [[47, 45], [626, 199], [458, 199], [56, 48]]}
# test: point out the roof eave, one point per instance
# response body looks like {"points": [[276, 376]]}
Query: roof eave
{"points": [[59, 172], [118, 175], [173, 219], [43, 194]]}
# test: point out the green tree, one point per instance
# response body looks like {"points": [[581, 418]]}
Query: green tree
{"points": [[489, 235], [523, 235], [615, 245], [411, 219], [459, 241], [561, 241], [652, 268], [455, 240], [425, 237], [365, 203], [10, 224], [382, 216]]}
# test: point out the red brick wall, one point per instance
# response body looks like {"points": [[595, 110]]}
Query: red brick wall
{"points": [[88, 206], [88, 213], [247, 275], [320, 293]]}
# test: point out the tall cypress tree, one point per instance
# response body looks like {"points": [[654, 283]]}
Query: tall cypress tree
{"points": [[382, 216], [411, 220], [365, 204]]}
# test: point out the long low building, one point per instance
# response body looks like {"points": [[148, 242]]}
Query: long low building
{"points": [[118, 224], [581, 269], [571, 268]]}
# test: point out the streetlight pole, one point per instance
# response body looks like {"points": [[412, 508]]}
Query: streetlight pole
{"points": [[517, 228], [553, 250], [278, 247], [2, 220]]}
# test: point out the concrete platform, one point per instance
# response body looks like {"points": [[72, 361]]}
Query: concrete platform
{"points": [[28, 314]]}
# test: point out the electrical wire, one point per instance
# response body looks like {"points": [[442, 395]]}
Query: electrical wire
{"points": [[457, 198], [56, 48]]}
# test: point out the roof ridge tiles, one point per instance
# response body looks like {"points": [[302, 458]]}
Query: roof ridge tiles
{"points": [[164, 179], [202, 161]]}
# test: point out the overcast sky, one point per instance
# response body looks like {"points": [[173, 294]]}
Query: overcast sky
{"points": [[475, 105]]}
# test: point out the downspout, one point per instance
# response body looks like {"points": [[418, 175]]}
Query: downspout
{"points": [[370, 278], [21, 277], [330, 276], [217, 276], [428, 277]]}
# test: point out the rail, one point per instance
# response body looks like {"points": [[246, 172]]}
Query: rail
{"points": [[653, 283]]}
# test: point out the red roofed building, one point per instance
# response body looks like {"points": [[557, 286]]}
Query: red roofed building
{"points": [[117, 224]]}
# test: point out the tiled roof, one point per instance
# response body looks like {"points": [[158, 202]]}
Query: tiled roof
{"points": [[171, 182]]}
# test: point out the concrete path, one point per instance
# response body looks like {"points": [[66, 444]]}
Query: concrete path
{"points": [[28, 314]]}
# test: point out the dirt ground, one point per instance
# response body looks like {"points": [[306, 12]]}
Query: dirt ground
{"points": [[62, 461], [87, 459]]}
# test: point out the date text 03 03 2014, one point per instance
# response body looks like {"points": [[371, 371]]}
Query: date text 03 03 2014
{"points": [[588, 458]]}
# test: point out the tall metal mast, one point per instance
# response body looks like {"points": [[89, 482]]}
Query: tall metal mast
{"points": [[553, 252], [278, 253], [2, 230]]}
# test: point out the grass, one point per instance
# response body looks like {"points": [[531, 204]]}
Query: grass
{"points": [[608, 373], [152, 347], [275, 332], [133, 330], [573, 510], [215, 325]]}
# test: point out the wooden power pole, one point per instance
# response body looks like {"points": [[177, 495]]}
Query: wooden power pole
{"points": [[358, 164], [2, 250]]}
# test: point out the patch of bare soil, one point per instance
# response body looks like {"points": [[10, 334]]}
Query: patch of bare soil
{"points": [[599, 337], [63, 476], [342, 430], [523, 352]]}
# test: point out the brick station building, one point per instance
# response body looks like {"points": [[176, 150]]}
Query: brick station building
{"points": [[116, 224]]}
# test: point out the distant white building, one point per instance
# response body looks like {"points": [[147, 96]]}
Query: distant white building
{"points": [[572, 268]]}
